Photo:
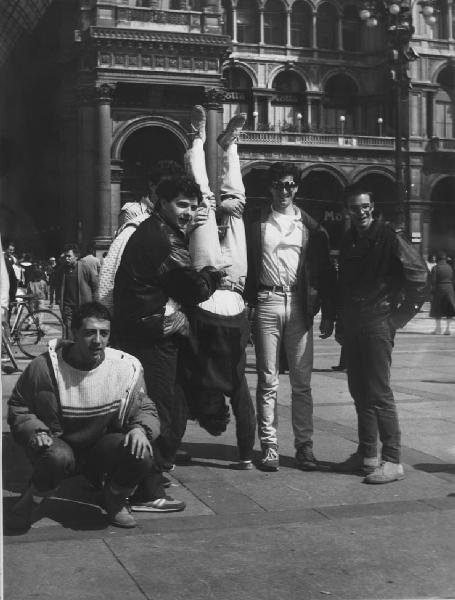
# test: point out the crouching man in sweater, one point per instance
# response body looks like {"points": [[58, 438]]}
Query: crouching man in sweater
{"points": [[82, 407]]}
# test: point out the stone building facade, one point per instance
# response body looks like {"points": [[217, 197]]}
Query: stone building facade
{"points": [[102, 89]]}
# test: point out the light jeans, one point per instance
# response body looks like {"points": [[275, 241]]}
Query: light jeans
{"points": [[278, 319]]}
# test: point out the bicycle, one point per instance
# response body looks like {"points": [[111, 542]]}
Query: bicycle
{"points": [[32, 329], [7, 353]]}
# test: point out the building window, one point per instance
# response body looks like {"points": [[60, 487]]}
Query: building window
{"points": [[301, 24], [327, 27], [341, 99], [351, 29], [444, 120], [288, 105], [247, 23], [238, 95], [274, 23]]}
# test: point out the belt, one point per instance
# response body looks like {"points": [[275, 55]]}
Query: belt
{"points": [[278, 288], [234, 287]]}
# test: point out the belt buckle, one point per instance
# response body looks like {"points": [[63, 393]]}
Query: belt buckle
{"points": [[286, 289]]}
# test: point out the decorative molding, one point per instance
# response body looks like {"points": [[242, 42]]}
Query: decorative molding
{"points": [[164, 37], [104, 93], [214, 98]]}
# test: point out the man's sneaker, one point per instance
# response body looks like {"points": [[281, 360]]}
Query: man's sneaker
{"points": [[270, 460], [305, 458], [385, 473], [198, 120], [21, 516], [242, 465], [357, 464], [118, 510], [160, 505], [232, 131]]}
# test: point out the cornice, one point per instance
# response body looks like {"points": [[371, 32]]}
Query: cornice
{"points": [[166, 37]]}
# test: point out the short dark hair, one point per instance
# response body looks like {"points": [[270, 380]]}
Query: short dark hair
{"points": [[73, 247], [356, 189], [441, 255], [282, 169], [87, 310], [164, 168], [170, 187]]}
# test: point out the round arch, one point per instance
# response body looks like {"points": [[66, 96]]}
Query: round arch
{"points": [[296, 70], [376, 170], [248, 71], [343, 71], [382, 187], [127, 129], [442, 215], [320, 194], [447, 64]]}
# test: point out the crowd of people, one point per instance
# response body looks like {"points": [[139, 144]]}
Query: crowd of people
{"points": [[183, 283]]}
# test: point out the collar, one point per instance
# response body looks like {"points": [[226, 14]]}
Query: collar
{"points": [[297, 216]]}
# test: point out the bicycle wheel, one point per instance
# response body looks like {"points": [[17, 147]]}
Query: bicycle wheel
{"points": [[6, 348], [36, 330]]}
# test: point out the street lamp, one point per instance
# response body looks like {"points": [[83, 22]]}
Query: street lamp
{"points": [[299, 119], [342, 121], [255, 118], [380, 122], [397, 18]]}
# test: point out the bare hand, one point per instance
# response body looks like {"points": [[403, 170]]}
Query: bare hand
{"points": [[138, 443], [233, 207], [326, 328], [41, 440]]}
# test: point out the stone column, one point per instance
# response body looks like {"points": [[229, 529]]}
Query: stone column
{"points": [[105, 227], [450, 20], [261, 25], [340, 31], [314, 30], [214, 109], [116, 198], [234, 23], [430, 114], [85, 153], [288, 27]]}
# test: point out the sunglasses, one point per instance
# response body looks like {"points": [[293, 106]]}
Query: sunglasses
{"points": [[286, 185], [363, 208]]}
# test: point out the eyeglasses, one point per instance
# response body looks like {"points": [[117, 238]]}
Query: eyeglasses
{"points": [[284, 185], [360, 208]]}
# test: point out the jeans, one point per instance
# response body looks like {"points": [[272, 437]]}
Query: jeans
{"points": [[279, 318], [108, 455], [67, 318], [368, 348]]}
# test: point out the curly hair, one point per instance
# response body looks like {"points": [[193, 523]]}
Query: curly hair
{"points": [[282, 169], [87, 310], [170, 187]]}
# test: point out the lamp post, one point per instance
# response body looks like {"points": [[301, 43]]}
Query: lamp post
{"points": [[299, 122], [380, 123], [397, 18], [342, 122]]}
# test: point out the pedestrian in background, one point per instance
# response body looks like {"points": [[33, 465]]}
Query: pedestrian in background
{"points": [[442, 293], [383, 282], [92, 260]]}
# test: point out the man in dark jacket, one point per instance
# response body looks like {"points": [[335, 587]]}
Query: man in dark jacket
{"points": [[383, 284], [83, 406], [289, 277], [154, 281], [76, 283]]}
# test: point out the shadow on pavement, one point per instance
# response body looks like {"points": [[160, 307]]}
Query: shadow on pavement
{"points": [[435, 467]]}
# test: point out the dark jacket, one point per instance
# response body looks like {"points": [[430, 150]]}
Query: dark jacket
{"points": [[156, 266], [316, 277], [381, 275], [86, 279]]}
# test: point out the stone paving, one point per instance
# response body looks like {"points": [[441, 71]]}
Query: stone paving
{"points": [[254, 535]]}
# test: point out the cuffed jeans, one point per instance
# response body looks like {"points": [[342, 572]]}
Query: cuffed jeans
{"points": [[368, 348], [279, 318], [108, 455]]}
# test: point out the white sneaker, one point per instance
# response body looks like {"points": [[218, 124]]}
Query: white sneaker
{"points": [[385, 473]]}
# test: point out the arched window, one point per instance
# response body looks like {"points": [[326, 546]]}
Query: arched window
{"points": [[340, 100], [247, 22], [274, 23], [351, 29], [288, 102], [444, 109], [238, 86], [327, 27], [301, 24]]}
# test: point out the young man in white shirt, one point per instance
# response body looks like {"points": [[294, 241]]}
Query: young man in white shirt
{"points": [[289, 278]]}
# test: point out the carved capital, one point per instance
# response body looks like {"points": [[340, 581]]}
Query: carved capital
{"points": [[104, 93], [214, 98]]}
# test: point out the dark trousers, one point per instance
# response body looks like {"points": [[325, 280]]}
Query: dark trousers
{"points": [[245, 419], [368, 348], [160, 363], [67, 317], [107, 456]]}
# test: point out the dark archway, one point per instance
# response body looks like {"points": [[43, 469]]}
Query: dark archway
{"points": [[256, 186], [442, 216], [383, 190], [320, 195], [142, 149]]}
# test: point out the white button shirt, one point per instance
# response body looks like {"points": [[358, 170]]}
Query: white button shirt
{"points": [[283, 238]]}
